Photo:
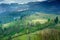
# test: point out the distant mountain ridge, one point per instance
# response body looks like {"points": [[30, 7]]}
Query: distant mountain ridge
{"points": [[45, 6], [12, 7]]}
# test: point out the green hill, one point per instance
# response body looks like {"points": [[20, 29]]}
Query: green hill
{"points": [[29, 25]]}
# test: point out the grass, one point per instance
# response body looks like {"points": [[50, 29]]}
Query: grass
{"points": [[41, 21], [29, 24], [46, 34]]}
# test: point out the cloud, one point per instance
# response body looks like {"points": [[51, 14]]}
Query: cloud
{"points": [[18, 1], [41, 0]]}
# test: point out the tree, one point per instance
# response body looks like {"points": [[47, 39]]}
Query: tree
{"points": [[0, 23], [56, 20], [9, 38], [48, 19]]}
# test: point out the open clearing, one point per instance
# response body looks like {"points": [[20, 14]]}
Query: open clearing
{"points": [[41, 21]]}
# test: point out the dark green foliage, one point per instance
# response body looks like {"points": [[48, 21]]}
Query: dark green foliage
{"points": [[9, 38], [48, 19], [1, 30], [56, 20]]}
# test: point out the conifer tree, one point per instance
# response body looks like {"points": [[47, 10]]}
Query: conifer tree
{"points": [[56, 20]]}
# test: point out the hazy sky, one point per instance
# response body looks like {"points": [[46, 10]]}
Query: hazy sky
{"points": [[18, 1]]}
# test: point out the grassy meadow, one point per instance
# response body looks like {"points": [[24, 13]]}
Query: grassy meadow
{"points": [[38, 26]]}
